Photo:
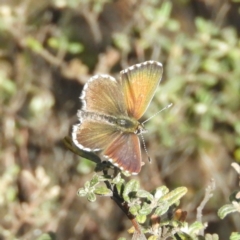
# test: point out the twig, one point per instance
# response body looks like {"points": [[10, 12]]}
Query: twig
{"points": [[208, 194]]}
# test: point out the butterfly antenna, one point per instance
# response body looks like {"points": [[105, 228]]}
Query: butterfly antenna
{"points": [[145, 148], [168, 106]]}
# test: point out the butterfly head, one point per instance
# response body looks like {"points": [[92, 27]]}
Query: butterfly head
{"points": [[140, 129]]}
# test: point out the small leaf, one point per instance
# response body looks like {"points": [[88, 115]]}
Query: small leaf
{"points": [[174, 196], [122, 41], [235, 236], [144, 194], [7, 86], [163, 208], [195, 227], [131, 230], [53, 42], [134, 209], [146, 209], [47, 236], [117, 179], [225, 210], [75, 47], [211, 236], [91, 197], [184, 236], [166, 222], [84, 166], [87, 185], [94, 181], [204, 26], [141, 218], [102, 178], [34, 44], [82, 192], [131, 186], [160, 191], [102, 191]]}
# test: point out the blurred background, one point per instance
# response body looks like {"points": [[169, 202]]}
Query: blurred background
{"points": [[50, 48]]}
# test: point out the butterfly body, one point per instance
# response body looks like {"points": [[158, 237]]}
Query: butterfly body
{"points": [[123, 124], [109, 118]]}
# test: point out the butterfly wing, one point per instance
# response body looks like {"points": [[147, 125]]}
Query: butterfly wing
{"points": [[139, 83], [122, 149], [91, 135], [101, 94], [125, 152]]}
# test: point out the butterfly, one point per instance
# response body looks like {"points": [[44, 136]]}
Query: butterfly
{"points": [[110, 113]]}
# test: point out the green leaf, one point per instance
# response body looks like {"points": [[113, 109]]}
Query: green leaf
{"points": [[165, 10], [117, 179], [211, 65], [235, 236], [102, 178], [85, 166], [195, 227], [102, 191], [7, 86], [53, 42], [34, 44], [131, 186], [144, 194], [75, 47], [94, 181], [141, 218], [121, 41], [205, 27], [184, 236], [47, 236], [91, 197], [225, 210], [82, 192], [237, 151], [134, 209], [145, 209], [174, 196], [87, 185], [160, 191], [163, 208], [211, 236]]}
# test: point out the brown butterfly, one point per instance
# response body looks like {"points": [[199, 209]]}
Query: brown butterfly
{"points": [[110, 112]]}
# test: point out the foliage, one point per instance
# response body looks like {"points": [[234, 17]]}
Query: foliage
{"points": [[234, 199], [152, 213]]}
